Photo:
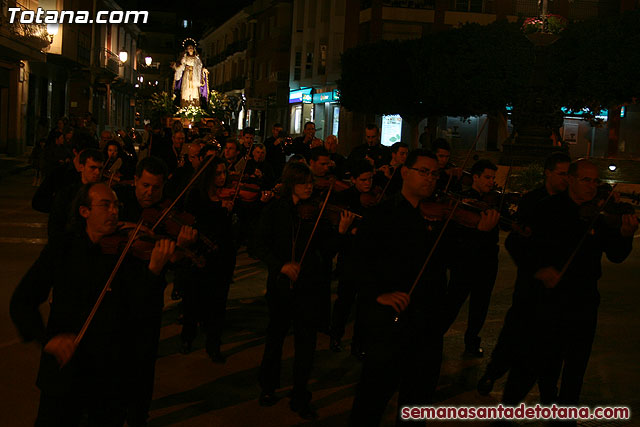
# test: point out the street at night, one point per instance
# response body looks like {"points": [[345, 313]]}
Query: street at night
{"points": [[332, 213], [192, 391]]}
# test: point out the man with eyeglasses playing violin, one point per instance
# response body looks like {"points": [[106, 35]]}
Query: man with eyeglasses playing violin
{"points": [[473, 261], [85, 378], [147, 193], [569, 235], [391, 247]]}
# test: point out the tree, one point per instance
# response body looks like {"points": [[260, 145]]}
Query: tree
{"points": [[465, 71]]}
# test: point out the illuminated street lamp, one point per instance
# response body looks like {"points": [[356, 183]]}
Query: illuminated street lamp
{"points": [[124, 55], [52, 30], [147, 60]]}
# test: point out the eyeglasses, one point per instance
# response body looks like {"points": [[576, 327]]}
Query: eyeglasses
{"points": [[108, 205], [426, 172]]}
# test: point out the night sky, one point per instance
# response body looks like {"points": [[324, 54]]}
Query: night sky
{"points": [[204, 14]]}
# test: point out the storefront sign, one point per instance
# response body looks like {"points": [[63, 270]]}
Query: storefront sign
{"points": [[391, 129], [296, 96]]}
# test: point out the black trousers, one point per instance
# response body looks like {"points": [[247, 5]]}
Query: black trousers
{"points": [[475, 280], [347, 293], [300, 308], [513, 341], [564, 338], [204, 300], [143, 348], [403, 356]]}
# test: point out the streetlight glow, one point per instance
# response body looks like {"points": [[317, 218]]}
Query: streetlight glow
{"points": [[147, 60]]}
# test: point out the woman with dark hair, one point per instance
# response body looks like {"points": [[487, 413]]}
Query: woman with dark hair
{"points": [[295, 286], [205, 289]]}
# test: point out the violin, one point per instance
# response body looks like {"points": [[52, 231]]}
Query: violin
{"points": [[371, 198], [142, 246], [324, 182], [466, 214], [309, 211], [608, 211]]}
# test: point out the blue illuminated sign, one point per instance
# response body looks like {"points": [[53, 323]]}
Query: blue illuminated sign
{"points": [[301, 95]]}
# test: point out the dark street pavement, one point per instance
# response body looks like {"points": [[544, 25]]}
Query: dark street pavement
{"points": [[192, 391]]}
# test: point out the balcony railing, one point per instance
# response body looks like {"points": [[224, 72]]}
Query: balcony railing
{"points": [[108, 60], [34, 34]]}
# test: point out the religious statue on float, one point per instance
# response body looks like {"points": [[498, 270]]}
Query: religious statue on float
{"points": [[191, 79]]}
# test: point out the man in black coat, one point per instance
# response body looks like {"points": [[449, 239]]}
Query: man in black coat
{"points": [[82, 377], [391, 247], [509, 344], [563, 260]]}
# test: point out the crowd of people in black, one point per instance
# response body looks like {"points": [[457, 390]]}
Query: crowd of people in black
{"points": [[408, 236]]}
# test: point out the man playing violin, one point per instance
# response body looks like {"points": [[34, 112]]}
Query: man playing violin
{"points": [[89, 166], [510, 341], [296, 260], [388, 177], [338, 161], [450, 175], [352, 200], [232, 156], [392, 245], [474, 261], [302, 144], [147, 193], [88, 377], [372, 149], [564, 262]]}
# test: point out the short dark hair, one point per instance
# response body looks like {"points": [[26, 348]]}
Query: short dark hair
{"points": [[153, 165], [412, 158], [294, 173], [482, 164], [257, 145], [90, 153], [552, 161], [440, 144], [234, 142], [359, 167], [308, 123], [372, 126], [397, 146], [78, 222], [277, 125], [249, 130], [317, 152]]}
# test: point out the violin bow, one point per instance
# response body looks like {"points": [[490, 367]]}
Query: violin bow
{"points": [[107, 286], [431, 252], [189, 184], [468, 156], [315, 226], [584, 236], [384, 190], [244, 167], [113, 169]]}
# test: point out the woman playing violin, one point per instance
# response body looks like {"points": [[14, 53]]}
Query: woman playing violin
{"points": [[296, 290], [205, 289]]}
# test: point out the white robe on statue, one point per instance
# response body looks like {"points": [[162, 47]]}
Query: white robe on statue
{"points": [[190, 70]]}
